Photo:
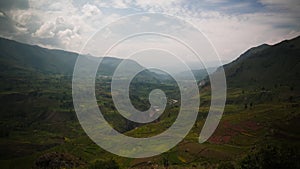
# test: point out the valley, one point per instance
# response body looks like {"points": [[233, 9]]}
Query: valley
{"points": [[39, 128]]}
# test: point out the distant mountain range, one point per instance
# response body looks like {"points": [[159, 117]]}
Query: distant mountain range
{"points": [[19, 58], [199, 74], [262, 65]]}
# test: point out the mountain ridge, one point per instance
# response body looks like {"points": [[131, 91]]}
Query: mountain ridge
{"points": [[267, 65], [20, 58]]}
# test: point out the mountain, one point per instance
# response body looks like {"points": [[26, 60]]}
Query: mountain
{"points": [[19, 58], [36, 85], [39, 128], [44, 76], [199, 74], [266, 66], [260, 120]]}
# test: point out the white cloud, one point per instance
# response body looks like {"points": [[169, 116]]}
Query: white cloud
{"points": [[46, 30], [68, 35], [121, 3], [23, 18], [232, 35], [2, 14], [61, 24], [158, 4], [90, 10], [172, 7]]}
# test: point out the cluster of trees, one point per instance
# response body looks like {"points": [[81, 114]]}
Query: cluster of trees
{"points": [[268, 157], [271, 157]]}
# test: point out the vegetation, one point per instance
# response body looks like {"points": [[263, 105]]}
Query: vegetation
{"points": [[226, 165], [100, 164], [39, 128], [270, 156]]}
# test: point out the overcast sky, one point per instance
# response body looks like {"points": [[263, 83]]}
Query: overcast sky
{"points": [[232, 26]]}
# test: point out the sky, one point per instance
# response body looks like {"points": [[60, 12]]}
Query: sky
{"points": [[232, 26]]}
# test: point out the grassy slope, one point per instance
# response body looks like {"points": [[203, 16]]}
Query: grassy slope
{"points": [[266, 66], [262, 107], [38, 116]]}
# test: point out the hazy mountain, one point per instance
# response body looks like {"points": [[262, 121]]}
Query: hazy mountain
{"points": [[199, 74], [19, 58]]}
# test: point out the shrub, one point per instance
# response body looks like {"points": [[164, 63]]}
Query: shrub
{"points": [[271, 157], [101, 164]]}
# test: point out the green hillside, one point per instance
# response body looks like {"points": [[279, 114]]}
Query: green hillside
{"points": [[20, 57], [261, 118], [259, 129], [267, 66]]}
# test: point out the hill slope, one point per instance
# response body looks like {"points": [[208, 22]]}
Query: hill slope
{"points": [[38, 123], [16, 56], [266, 66], [19, 58]]}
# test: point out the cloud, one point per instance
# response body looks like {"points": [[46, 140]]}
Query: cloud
{"points": [[2, 15], [216, 1], [232, 35], [60, 20], [66, 36], [231, 26], [145, 18], [169, 7], [45, 31], [118, 4], [59, 31], [122, 4], [90, 10], [287, 4]]}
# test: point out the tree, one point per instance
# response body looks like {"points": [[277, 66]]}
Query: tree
{"points": [[270, 157], [101, 164]]}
